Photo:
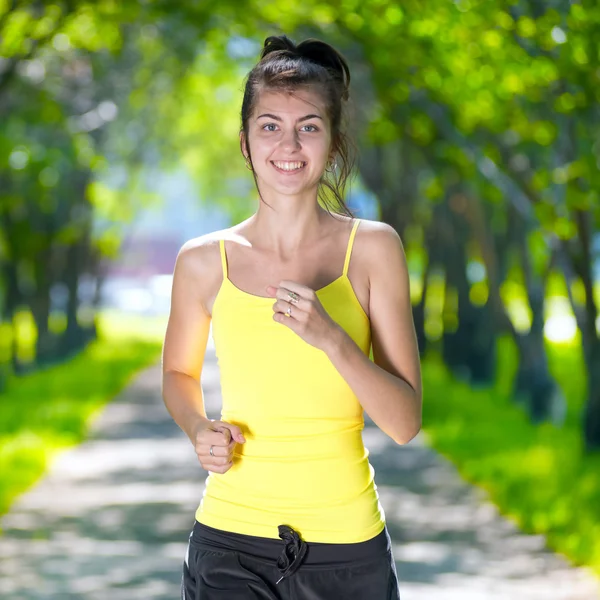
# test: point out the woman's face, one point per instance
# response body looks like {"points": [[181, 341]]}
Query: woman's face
{"points": [[290, 140]]}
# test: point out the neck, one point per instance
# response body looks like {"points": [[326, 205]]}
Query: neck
{"points": [[287, 228]]}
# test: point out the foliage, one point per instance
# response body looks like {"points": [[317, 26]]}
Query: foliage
{"points": [[73, 77], [538, 475], [49, 411], [478, 127]]}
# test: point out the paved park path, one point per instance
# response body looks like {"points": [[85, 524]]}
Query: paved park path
{"points": [[110, 521]]}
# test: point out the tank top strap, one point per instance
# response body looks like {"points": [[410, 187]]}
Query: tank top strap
{"points": [[350, 244], [223, 258]]}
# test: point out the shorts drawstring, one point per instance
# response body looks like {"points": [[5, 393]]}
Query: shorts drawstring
{"points": [[293, 552]]}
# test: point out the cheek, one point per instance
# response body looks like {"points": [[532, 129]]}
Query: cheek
{"points": [[258, 141], [322, 153], [317, 145]]}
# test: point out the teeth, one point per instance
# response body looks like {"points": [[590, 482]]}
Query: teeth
{"points": [[288, 166]]}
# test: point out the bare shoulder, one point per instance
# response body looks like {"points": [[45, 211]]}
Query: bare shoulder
{"points": [[198, 254], [381, 246], [198, 266], [377, 231], [203, 251]]}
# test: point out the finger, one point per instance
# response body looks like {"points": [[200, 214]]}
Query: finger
{"points": [[289, 296], [282, 307], [287, 301], [218, 468], [231, 431], [218, 453], [302, 290], [215, 437], [235, 431], [289, 322], [296, 314], [219, 461], [225, 432]]}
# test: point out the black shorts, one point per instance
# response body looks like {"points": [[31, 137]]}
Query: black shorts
{"points": [[222, 565]]}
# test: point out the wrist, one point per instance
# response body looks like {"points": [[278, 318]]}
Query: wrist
{"points": [[335, 342], [193, 425]]}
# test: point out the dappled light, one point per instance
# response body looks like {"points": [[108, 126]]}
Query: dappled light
{"points": [[477, 134]]}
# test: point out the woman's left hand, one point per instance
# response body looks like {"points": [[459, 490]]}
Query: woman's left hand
{"points": [[307, 318]]}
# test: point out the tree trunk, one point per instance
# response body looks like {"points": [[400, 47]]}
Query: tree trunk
{"points": [[591, 417], [389, 175], [419, 314], [78, 262], [73, 337], [470, 350], [45, 349], [534, 383], [12, 301], [575, 258]]}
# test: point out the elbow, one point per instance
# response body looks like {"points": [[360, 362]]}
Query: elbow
{"points": [[412, 422], [406, 435], [174, 373], [174, 378], [402, 441]]}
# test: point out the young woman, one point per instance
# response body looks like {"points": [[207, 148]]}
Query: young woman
{"points": [[296, 295]]}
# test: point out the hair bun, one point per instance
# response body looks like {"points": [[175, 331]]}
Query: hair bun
{"points": [[327, 56], [275, 43], [314, 50]]}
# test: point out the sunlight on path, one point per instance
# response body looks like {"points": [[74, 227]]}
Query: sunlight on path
{"points": [[111, 519]]}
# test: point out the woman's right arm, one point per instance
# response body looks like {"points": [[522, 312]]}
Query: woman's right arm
{"points": [[183, 356]]}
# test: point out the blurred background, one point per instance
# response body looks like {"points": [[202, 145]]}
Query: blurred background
{"points": [[478, 128]]}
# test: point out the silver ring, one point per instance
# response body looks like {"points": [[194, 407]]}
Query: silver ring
{"points": [[289, 311], [210, 451]]}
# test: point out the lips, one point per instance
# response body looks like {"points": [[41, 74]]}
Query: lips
{"points": [[288, 167]]}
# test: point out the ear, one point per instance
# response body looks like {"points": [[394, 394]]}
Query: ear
{"points": [[332, 153], [243, 146]]}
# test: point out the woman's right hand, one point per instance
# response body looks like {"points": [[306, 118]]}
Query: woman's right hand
{"points": [[222, 436]]}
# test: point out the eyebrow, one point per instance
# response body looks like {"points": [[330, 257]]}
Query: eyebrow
{"points": [[276, 118]]}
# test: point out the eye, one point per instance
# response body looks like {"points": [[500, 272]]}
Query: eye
{"points": [[269, 125], [314, 128]]}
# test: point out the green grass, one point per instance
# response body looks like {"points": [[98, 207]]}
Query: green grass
{"points": [[50, 410], [537, 475]]}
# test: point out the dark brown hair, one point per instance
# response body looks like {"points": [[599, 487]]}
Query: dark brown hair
{"points": [[285, 66]]}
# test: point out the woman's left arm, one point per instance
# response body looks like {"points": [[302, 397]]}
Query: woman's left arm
{"points": [[389, 389]]}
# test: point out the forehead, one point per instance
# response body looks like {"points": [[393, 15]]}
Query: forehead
{"points": [[298, 102]]}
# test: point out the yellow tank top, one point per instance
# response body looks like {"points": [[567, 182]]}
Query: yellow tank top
{"points": [[304, 463]]}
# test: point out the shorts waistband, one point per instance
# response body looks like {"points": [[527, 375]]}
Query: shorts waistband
{"points": [[291, 551]]}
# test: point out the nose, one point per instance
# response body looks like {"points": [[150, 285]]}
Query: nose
{"points": [[290, 140]]}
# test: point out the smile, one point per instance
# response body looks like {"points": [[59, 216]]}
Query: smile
{"points": [[288, 166]]}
